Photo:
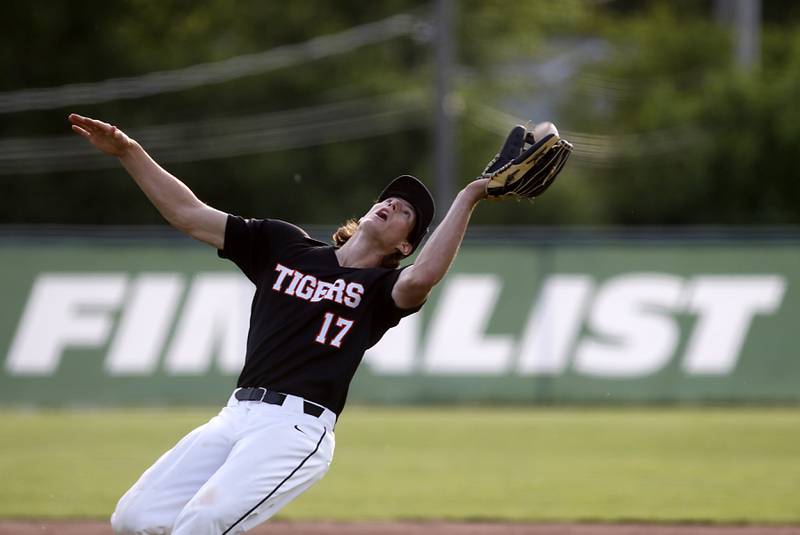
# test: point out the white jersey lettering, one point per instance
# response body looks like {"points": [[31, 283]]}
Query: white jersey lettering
{"points": [[306, 287], [354, 292], [309, 288], [321, 292], [336, 291], [282, 272], [295, 279]]}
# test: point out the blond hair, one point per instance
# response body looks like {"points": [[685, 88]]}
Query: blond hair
{"points": [[346, 231]]}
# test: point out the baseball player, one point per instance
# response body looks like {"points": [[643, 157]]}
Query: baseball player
{"points": [[317, 308]]}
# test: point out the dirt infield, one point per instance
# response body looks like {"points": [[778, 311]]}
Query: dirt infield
{"points": [[420, 528]]}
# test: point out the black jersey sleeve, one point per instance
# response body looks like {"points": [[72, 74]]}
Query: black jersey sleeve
{"points": [[252, 243], [387, 313]]}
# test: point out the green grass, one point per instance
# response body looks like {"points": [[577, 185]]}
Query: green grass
{"points": [[715, 465]]}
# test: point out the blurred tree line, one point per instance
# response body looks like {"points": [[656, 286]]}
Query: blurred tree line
{"points": [[697, 139], [668, 128]]}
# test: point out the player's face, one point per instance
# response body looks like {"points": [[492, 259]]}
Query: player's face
{"points": [[393, 220]]}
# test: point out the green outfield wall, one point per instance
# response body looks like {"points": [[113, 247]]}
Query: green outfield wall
{"points": [[132, 322]]}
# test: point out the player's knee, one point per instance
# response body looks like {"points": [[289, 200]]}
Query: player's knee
{"points": [[132, 520], [196, 519]]}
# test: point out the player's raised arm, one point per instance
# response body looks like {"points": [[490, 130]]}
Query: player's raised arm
{"points": [[436, 256], [526, 166], [173, 199]]}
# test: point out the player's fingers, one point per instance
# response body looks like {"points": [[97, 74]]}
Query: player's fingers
{"points": [[74, 118], [81, 131], [99, 125], [90, 124]]}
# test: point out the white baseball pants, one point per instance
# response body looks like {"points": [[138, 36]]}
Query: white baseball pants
{"points": [[232, 473]]}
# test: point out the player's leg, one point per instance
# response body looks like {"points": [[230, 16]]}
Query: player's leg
{"points": [[281, 456], [154, 501]]}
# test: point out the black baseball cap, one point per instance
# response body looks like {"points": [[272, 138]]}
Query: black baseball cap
{"points": [[417, 195]]}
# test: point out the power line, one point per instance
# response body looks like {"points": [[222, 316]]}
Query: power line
{"points": [[221, 138], [602, 149], [208, 73]]}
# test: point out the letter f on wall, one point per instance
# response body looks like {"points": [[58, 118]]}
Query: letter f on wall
{"points": [[62, 311]]}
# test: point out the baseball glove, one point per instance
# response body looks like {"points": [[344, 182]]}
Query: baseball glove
{"points": [[517, 171]]}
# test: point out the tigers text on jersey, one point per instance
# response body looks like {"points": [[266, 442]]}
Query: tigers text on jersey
{"points": [[310, 288], [311, 319]]}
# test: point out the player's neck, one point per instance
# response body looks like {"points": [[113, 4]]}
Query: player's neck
{"points": [[360, 252]]}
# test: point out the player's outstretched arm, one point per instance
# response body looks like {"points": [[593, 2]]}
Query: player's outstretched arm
{"points": [[173, 199], [435, 258]]}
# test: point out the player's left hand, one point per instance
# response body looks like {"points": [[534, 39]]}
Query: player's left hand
{"points": [[106, 137], [477, 189]]}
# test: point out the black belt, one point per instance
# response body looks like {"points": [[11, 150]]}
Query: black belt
{"points": [[254, 393]]}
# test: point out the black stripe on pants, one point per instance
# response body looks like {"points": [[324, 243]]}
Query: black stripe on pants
{"points": [[268, 496]]}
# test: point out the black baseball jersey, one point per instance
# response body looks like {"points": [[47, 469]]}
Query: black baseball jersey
{"points": [[311, 319]]}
